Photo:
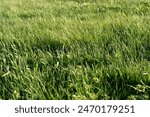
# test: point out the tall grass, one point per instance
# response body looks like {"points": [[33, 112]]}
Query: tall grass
{"points": [[74, 49]]}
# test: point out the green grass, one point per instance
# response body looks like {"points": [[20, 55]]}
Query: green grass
{"points": [[74, 49]]}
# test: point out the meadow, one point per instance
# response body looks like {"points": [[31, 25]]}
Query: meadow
{"points": [[75, 49]]}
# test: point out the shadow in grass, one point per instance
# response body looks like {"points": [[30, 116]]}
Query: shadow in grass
{"points": [[27, 15], [49, 44], [117, 83]]}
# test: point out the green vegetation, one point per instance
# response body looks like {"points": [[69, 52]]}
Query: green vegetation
{"points": [[74, 49]]}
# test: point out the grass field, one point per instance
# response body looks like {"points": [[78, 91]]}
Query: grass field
{"points": [[74, 49]]}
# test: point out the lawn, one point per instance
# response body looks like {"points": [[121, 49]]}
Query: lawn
{"points": [[74, 49]]}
